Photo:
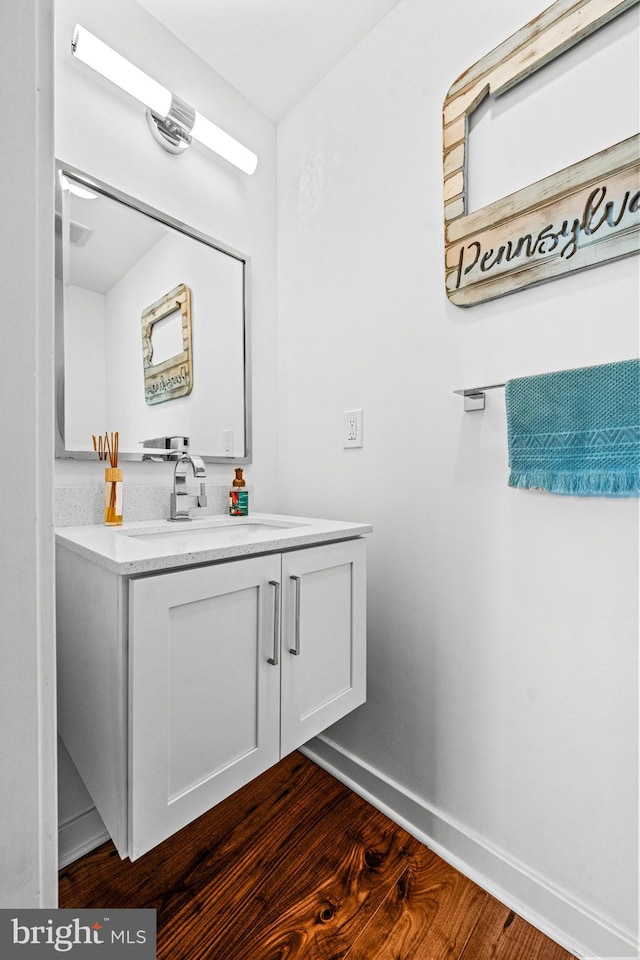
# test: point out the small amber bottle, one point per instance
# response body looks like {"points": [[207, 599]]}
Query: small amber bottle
{"points": [[238, 496], [112, 496]]}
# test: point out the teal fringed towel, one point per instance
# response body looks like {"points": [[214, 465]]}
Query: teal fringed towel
{"points": [[577, 432]]}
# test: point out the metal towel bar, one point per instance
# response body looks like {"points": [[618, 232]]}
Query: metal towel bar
{"points": [[474, 397]]}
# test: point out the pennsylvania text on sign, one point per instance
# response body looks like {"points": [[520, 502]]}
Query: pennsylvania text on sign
{"points": [[577, 218]]}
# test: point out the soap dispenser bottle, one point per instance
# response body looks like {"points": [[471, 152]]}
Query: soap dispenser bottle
{"points": [[238, 496]]}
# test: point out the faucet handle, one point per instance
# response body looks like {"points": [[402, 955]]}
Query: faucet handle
{"points": [[202, 499]]}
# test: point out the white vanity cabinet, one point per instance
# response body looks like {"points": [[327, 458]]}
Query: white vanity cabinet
{"points": [[204, 699], [176, 688], [323, 639]]}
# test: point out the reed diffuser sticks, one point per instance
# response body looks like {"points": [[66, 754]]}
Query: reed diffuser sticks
{"points": [[107, 449], [111, 441]]}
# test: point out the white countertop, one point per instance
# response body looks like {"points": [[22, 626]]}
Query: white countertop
{"points": [[149, 545]]}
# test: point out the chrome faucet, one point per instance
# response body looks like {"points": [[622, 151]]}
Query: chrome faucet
{"points": [[183, 503]]}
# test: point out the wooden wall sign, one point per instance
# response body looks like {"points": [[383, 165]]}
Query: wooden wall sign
{"points": [[173, 377], [580, 217]]}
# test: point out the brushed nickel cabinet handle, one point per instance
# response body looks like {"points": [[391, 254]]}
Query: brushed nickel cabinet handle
{"points": [[276, 623], [295, 650]]}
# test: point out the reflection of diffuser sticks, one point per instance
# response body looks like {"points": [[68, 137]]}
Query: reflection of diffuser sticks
{"points": [[107, 447], [99, 446]]}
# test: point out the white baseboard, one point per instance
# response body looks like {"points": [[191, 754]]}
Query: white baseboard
{"points": [[80, 835], [573, 925]]}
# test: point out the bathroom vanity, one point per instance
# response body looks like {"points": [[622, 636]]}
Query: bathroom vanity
{"points": [[193, 656]]}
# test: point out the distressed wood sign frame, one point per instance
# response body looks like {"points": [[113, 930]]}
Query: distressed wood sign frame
{"points": [[580, 217], [173, 377]]}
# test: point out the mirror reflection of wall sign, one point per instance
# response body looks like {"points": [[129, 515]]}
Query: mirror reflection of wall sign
{"points": [[173, 377], [580, 217]]}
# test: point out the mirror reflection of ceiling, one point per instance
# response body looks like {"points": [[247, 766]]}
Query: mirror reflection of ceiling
{"points": [[105, 247], [272, 51]]}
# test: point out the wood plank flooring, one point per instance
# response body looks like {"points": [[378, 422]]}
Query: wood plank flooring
{"points": [[297, 867]]}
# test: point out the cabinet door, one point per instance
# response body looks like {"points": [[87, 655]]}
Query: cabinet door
{"points": [[204, 698], [323, 638]]}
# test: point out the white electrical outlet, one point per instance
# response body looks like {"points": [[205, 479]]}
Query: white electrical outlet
{"points": [[227, 439], [352, 428]]}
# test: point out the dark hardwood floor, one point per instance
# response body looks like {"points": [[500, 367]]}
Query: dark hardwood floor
{"points": [[297, 867]]}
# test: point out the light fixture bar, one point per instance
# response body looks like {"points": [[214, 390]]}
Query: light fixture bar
{"points": [[172, 121], [118, 70], [220, 142]]}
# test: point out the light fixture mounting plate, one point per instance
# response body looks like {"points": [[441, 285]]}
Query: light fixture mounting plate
{"points": [[173, 132]]}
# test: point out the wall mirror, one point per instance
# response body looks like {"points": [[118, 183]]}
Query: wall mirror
{"points": [[152, 336]]}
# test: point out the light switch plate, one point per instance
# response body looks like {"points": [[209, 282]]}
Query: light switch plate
{"points": [[352, 428]]}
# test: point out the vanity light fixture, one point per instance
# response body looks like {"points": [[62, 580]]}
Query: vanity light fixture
{"points": [[172, 121]]}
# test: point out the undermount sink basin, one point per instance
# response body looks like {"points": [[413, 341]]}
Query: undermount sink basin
{"points": [[235, 529]]}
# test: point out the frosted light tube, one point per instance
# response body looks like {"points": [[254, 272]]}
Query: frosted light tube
{"points": [[118, 70], [220, 142], [160, 101]]}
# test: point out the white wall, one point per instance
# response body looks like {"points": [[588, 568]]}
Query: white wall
{"points": [[503, 624], [28, 865], [85, 373], [103, 132]]}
